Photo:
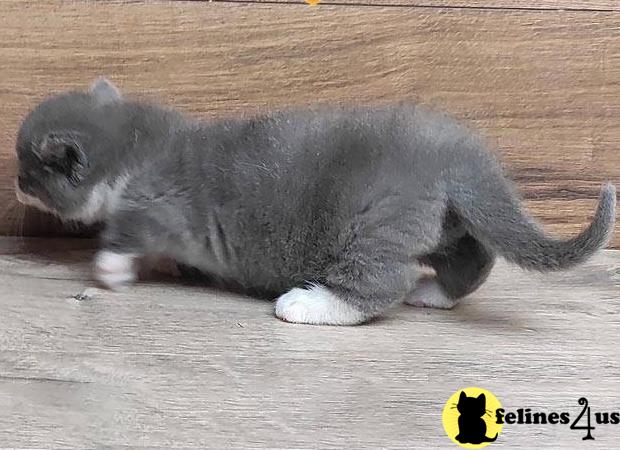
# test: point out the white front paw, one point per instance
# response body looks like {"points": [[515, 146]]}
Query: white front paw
{"points": [[115, 270], [318, 306]]}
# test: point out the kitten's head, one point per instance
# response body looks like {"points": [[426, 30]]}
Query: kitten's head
{"points": [[60, 148], [472, 406]]}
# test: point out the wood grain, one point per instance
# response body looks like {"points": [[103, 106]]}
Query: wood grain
{"points": [[543, 87], [169, 366], [580, 5]]}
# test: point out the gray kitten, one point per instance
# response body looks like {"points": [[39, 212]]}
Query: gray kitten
{"points": [[335, 211]]}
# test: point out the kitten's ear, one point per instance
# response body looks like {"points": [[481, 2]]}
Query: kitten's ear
{"points": [[62, 153], [463, 396], [104, 91], [482, 398]]}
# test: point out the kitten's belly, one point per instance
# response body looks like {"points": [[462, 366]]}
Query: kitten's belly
{"points": [[266, 275], [194, 254]]}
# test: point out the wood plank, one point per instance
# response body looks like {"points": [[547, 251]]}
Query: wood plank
{"points": [[579, 5], [166, 365], [541, 86]]}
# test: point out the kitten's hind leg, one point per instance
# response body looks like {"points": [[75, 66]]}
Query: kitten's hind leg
{"points": [[368, 278], [428, 293], [317, 305], [460, 269]]}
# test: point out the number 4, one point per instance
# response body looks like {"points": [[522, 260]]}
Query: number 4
{"points": [[583, 401]]}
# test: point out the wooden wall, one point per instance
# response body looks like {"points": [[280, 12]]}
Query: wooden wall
{"points": [[540, 79]]}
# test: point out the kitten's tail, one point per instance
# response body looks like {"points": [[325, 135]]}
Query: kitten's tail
{"points": [[488, 439], [492, 213]]}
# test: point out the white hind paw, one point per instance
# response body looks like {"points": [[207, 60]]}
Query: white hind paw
{"points": [[429, 294], [316, 305]]}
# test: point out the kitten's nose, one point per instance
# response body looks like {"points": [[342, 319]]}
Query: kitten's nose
{"points": [[22, 185]]}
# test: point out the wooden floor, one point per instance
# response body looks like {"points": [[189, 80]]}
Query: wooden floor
{"points": [[167, 365]]}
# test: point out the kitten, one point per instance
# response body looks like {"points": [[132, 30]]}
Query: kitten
{"points": [[472, 427], [334, 210]]}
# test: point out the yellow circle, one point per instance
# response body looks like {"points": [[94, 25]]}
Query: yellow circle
{"points": [[473, 410]]}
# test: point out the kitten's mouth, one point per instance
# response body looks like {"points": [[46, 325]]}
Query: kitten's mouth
{"points": [[29, 200]]}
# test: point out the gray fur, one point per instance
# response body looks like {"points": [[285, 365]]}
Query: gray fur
{"points": [[356, 199]]}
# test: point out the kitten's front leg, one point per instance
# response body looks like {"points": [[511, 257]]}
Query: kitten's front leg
{"points": [[123, 243], [115, 270]]}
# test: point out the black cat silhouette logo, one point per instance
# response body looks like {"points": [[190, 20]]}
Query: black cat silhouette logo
{"points": [[469, 417]]}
